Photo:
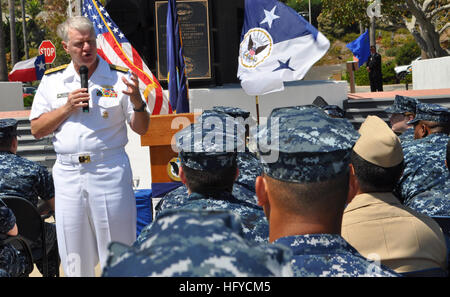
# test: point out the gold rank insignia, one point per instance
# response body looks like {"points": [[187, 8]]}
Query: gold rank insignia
{"points": [[56, 69], [105, 114]]}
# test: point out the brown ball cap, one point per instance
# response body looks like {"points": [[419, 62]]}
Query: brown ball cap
{"points": [[378, 144]]}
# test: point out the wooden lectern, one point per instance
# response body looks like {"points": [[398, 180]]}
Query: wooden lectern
{"points": [[159, 138]]}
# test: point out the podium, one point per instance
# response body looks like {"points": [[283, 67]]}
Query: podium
{"points": [[160, 139]]}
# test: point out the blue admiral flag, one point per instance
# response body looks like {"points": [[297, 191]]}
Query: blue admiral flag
{"points": [[360, 48], [277, 45]]}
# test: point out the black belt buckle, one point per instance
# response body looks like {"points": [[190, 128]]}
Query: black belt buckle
{"points": [[84, 159]]}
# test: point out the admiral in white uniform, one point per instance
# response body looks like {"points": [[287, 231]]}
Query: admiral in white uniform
{"points": [[94, 199]]}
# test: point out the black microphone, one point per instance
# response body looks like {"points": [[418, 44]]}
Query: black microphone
{"points": [[84, 84]]}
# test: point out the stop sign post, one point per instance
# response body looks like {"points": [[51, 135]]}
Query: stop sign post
{"points": [[49, 50]]}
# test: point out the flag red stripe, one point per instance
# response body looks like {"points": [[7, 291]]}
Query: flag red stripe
{"points": [[158, 103], [137, 59], [144, 78], [101, 53], [111, 41], [28, 74]]}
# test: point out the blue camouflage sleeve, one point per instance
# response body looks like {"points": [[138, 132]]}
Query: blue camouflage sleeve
{"points": [[7, 219], [44, 186]]}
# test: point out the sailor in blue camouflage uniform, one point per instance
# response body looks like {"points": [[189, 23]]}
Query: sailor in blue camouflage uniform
{"points": [[211, 152], [435, 202], [248, 164], [12, 263], [27, 179], [425, 156], [305, 156], [400, 113], [198, 243]]}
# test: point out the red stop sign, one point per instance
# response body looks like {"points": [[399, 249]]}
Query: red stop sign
{"points": [[48, 49]]}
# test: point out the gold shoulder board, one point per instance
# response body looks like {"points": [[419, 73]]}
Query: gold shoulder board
{"points": [[56, 69], [118, 68]]}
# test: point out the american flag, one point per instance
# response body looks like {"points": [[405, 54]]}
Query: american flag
{"points": [[114, 47]]}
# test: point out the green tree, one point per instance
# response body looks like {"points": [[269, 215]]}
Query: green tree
{"points": [[12, 33], [24, 29], [55, 14], [406, 53], [426, 20], [302, 6]]}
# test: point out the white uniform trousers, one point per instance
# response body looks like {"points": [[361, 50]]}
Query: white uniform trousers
{"points": [[94, 205]]}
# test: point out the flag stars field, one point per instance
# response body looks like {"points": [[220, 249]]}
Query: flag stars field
{"points": [[270, 17]]}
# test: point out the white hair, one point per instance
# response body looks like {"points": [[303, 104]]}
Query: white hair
{"points": [[79, 23]]}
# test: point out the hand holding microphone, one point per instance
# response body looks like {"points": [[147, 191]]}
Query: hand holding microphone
{"points": [[84, 84]]}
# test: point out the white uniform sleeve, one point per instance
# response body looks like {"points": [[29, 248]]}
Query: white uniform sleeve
{"points": [[41, 101]]}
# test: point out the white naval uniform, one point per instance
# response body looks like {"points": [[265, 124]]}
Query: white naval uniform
{"points": [[94, 202]]}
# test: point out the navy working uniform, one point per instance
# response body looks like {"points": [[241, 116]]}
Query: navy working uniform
{"points": [[12, 263], [31, 181], [197, 153], [198, 243], [95, 202], [424, 158], [248, 164], [302, 144], [434, 202], [402, 105]]}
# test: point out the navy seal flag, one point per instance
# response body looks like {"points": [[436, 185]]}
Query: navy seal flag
{"points": [[277, 45]]}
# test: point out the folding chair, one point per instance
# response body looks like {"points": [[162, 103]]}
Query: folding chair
{"points": [[30, 224]]}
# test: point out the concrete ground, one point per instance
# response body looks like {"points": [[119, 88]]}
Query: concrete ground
{"points": [[36, 273]]}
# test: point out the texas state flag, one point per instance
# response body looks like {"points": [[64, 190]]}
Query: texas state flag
{"points": [[277, 45], [28, 70]]}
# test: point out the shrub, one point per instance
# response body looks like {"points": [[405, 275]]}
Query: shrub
{"points": [[28, 100], [362, 75], [388, 73], [406, 53], [392, 52], [406, 79], [349, 37]]}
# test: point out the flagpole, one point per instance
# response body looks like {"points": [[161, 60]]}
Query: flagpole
{"points": [[257, 109], [309, 5]]}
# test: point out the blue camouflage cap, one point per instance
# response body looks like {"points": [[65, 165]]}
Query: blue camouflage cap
{"points": [[303, 144], [210, 143], [431, 112], [334, 111], [234, 112], [402, 104], [197, 243], [8, 127]]}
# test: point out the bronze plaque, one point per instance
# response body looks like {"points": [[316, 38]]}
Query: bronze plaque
{"points": [[193, 18]]}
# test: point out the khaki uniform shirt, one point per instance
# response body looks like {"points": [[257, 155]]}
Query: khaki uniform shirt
{"points": [[378, 226]]}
